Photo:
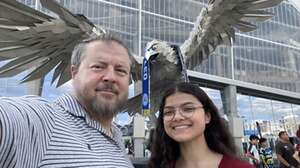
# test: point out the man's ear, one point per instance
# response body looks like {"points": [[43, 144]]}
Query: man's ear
{"points": [[74, 70]]}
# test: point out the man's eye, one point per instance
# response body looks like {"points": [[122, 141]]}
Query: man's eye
{"points": [[122, 72], [97, 67]]}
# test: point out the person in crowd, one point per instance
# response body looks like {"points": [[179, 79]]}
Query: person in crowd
{"points": [[298, 132], [149, 143], [190, 132], [297, 154], [252, 152], [298, 140], [285, 151], [129, 148], [266, 154], [76, 130]]}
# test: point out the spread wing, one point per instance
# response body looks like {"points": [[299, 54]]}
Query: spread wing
{"points": [[215, 25], [32, 40]]}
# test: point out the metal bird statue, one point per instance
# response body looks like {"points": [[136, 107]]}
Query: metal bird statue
{"points": [[29, 38], [215, 25]]}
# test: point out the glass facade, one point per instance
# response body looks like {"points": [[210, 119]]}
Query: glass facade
{"points": [[269, 56]]}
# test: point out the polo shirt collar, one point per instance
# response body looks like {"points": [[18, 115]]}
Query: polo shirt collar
{"points": [[72, 106]]}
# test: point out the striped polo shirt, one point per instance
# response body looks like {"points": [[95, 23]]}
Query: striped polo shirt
{"points": [[37, 133]]}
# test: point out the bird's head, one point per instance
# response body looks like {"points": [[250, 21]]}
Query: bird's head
{"points": [[163, 58], [160, 52]]}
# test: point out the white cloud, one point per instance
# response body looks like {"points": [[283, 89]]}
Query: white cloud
{"points": [[66, 87]]}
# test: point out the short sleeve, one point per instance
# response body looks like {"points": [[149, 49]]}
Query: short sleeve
{"points": [[278, 149]]}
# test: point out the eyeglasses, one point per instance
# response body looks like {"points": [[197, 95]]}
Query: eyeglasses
{"points": [[185, 111]]}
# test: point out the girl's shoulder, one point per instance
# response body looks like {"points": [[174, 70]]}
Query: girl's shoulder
{"points": [[228, 161]]}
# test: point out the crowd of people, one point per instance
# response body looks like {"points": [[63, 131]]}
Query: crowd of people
{"points": [[77, 130], [261, 154]]}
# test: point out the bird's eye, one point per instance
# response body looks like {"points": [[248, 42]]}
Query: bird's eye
{"points": [[153, 47]]}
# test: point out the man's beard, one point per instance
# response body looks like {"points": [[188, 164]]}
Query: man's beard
{"points": [[108, 110], [98, 106]]}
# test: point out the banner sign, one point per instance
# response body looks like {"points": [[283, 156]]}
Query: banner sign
{"points": [[146, 88]]}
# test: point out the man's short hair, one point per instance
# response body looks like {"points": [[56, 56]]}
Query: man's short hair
{"points": [[281, 133], [253, 137], [80, 49]]}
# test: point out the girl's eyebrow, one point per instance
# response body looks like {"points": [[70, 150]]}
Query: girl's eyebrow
{"points": [[183, 104]]}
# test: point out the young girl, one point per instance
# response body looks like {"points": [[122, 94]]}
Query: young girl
{"points": [[190, 132]]}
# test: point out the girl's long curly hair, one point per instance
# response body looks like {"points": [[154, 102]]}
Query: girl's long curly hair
{"points": [[165, 151]]}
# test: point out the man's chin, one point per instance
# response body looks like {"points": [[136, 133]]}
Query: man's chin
{"points": [[112, 103], [104, 101], [105, 108]]}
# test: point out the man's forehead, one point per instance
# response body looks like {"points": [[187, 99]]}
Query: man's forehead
{"points": [[105, 43], [110, 46], [99, 50]]}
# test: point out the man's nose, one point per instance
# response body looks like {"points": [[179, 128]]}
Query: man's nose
{"points": [[109, 75]]}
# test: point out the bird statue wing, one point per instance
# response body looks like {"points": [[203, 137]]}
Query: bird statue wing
{"points": [[215, 25], [30, 39]]}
